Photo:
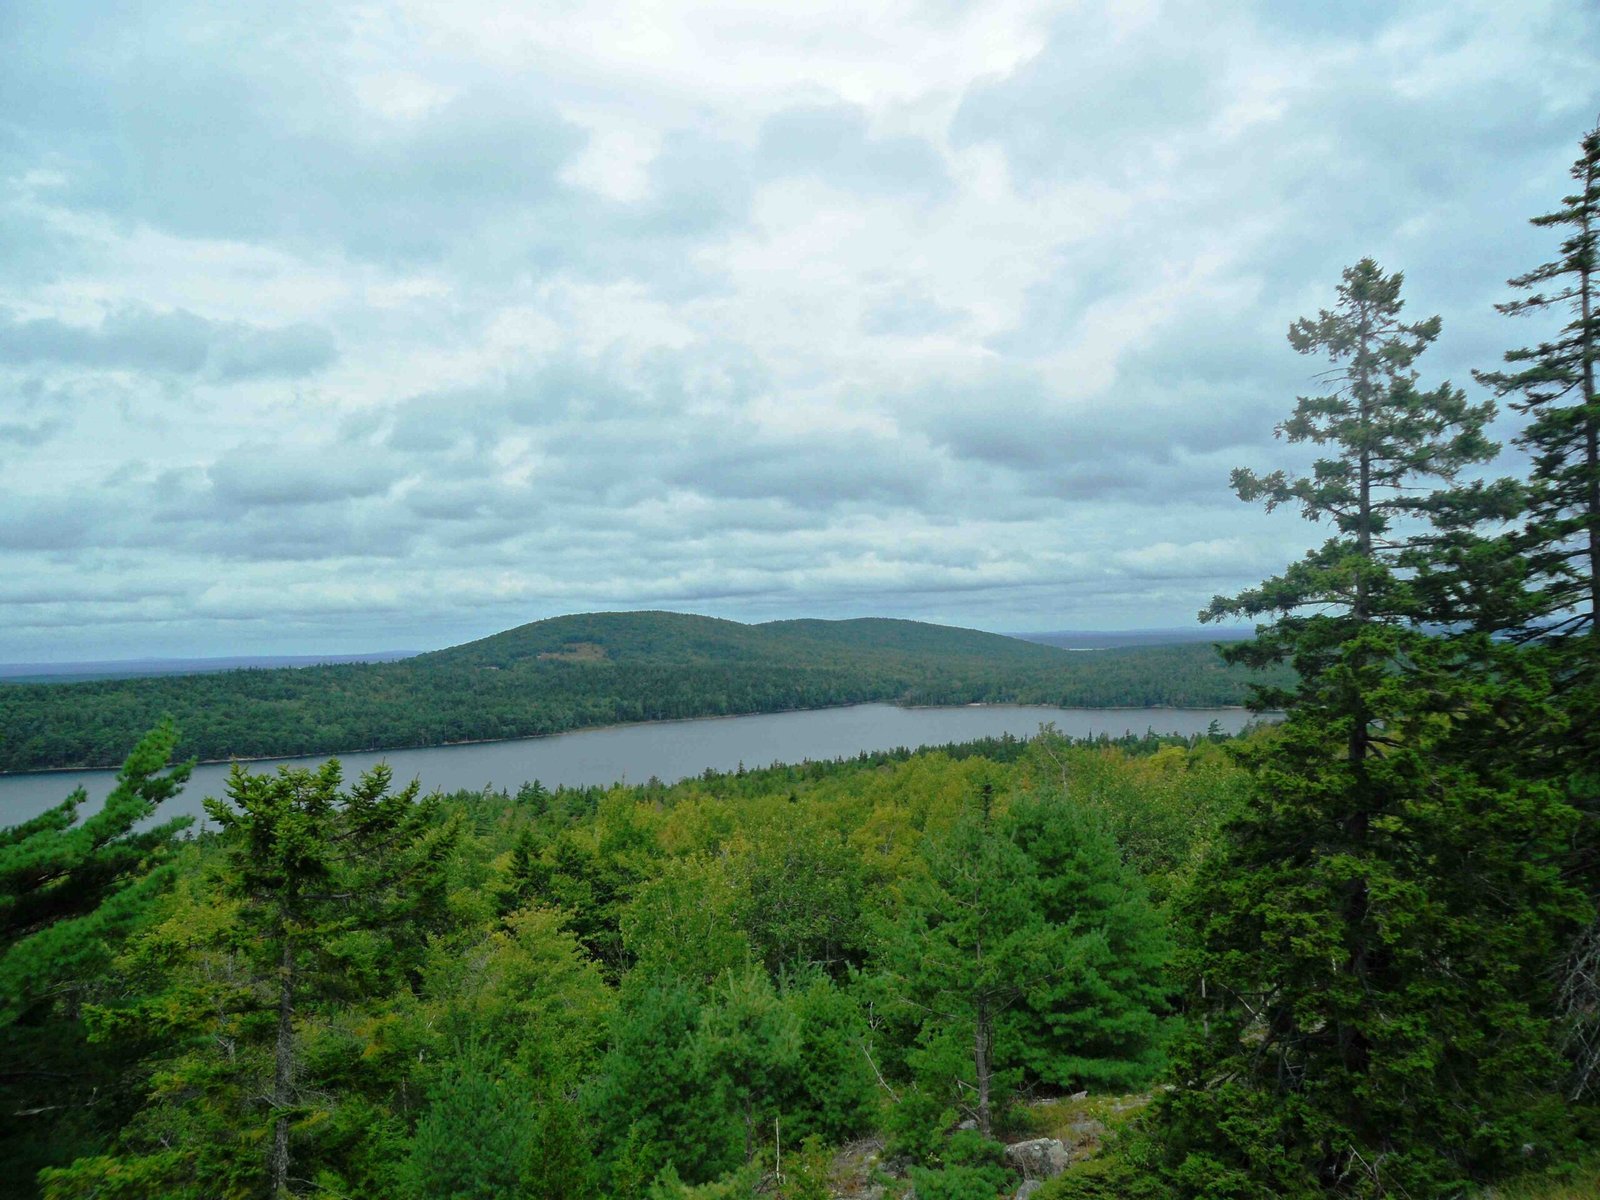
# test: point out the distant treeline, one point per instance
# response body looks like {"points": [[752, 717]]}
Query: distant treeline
{"points": [[585, 671]]}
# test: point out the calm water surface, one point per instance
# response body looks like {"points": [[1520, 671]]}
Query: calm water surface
{"points": [[668, 750]]}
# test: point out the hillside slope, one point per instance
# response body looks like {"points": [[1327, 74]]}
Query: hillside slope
{"points": [[663, 638], [586, 670]]}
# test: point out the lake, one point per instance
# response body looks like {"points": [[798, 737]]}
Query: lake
{"points": [[667, 750]]}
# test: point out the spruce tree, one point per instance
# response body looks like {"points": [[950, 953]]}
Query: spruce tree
{"points": [[312, 906], [1364, 972], [966, 945], [1097, 1022], [67, 886], [71, 889], [1553, 384], [1027, 951], [474, 1140], [747, 1052], [649, 1103], [319, 871], [1384, 436]]}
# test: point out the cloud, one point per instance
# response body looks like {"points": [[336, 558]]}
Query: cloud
{"points": [[809, 472], [247, 126], [911, 314], [833, 143], [272, 476], [139, 338], [40, 523], [338, 327], [31, 433]]}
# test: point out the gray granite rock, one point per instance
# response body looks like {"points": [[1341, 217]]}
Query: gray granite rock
{"points": [[1041, 1158]]}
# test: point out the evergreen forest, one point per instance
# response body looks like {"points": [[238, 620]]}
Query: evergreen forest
{"points": [[587, 670], [1353, 953]]}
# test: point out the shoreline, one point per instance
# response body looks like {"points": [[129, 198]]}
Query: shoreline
{"points": [[530, 737]]}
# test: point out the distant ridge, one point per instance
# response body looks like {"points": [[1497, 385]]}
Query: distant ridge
{"points": [[687, 638], [587, 670], [130, 668], [1103, 639]]}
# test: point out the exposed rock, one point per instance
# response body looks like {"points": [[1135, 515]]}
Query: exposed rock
{"points": [[852, 1171], [1078, 1096], [1028, 1188], [1041, 1158]]}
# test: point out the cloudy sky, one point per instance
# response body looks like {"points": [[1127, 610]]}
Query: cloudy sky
{"points": [[332, 327]]}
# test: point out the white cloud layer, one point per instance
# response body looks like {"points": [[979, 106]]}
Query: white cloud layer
{"points": [[341, 327]]}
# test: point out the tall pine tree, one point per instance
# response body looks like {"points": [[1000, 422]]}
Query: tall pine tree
{"points": [[1553, 383], [1364, 970]]}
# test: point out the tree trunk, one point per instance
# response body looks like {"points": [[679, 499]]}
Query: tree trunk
{"points": [[980, 1061], [1591, 426], [981, 1031], [283, 1073], [1354, 1048]]}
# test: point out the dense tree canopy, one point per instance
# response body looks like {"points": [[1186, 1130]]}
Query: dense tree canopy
{"points": [[585, 671], [606, 991]]}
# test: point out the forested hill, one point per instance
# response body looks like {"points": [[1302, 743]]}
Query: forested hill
{"points": [[665, 638], [586, 670]]}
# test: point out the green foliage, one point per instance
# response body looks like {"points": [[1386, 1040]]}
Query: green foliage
{"points": [[648, 1102], [473, 1139], [110, 1178], [702, 1080], [1026, 947], [1367, 950], [735, 1185], [70, 891], [65, 884], [268, 979], [972, 1168], [1556, 559], [833, 1094], [805, 1176], [799, 901], [562, 1163], [1093, 1021], [682, 923], [1127, 1169], [626, 1038], [488, 1132], [592, 872], [914, 1128], [747, 1051], [967, 943], [1162, 808], [1386, 438], [525, 990], [1554, 385]]}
